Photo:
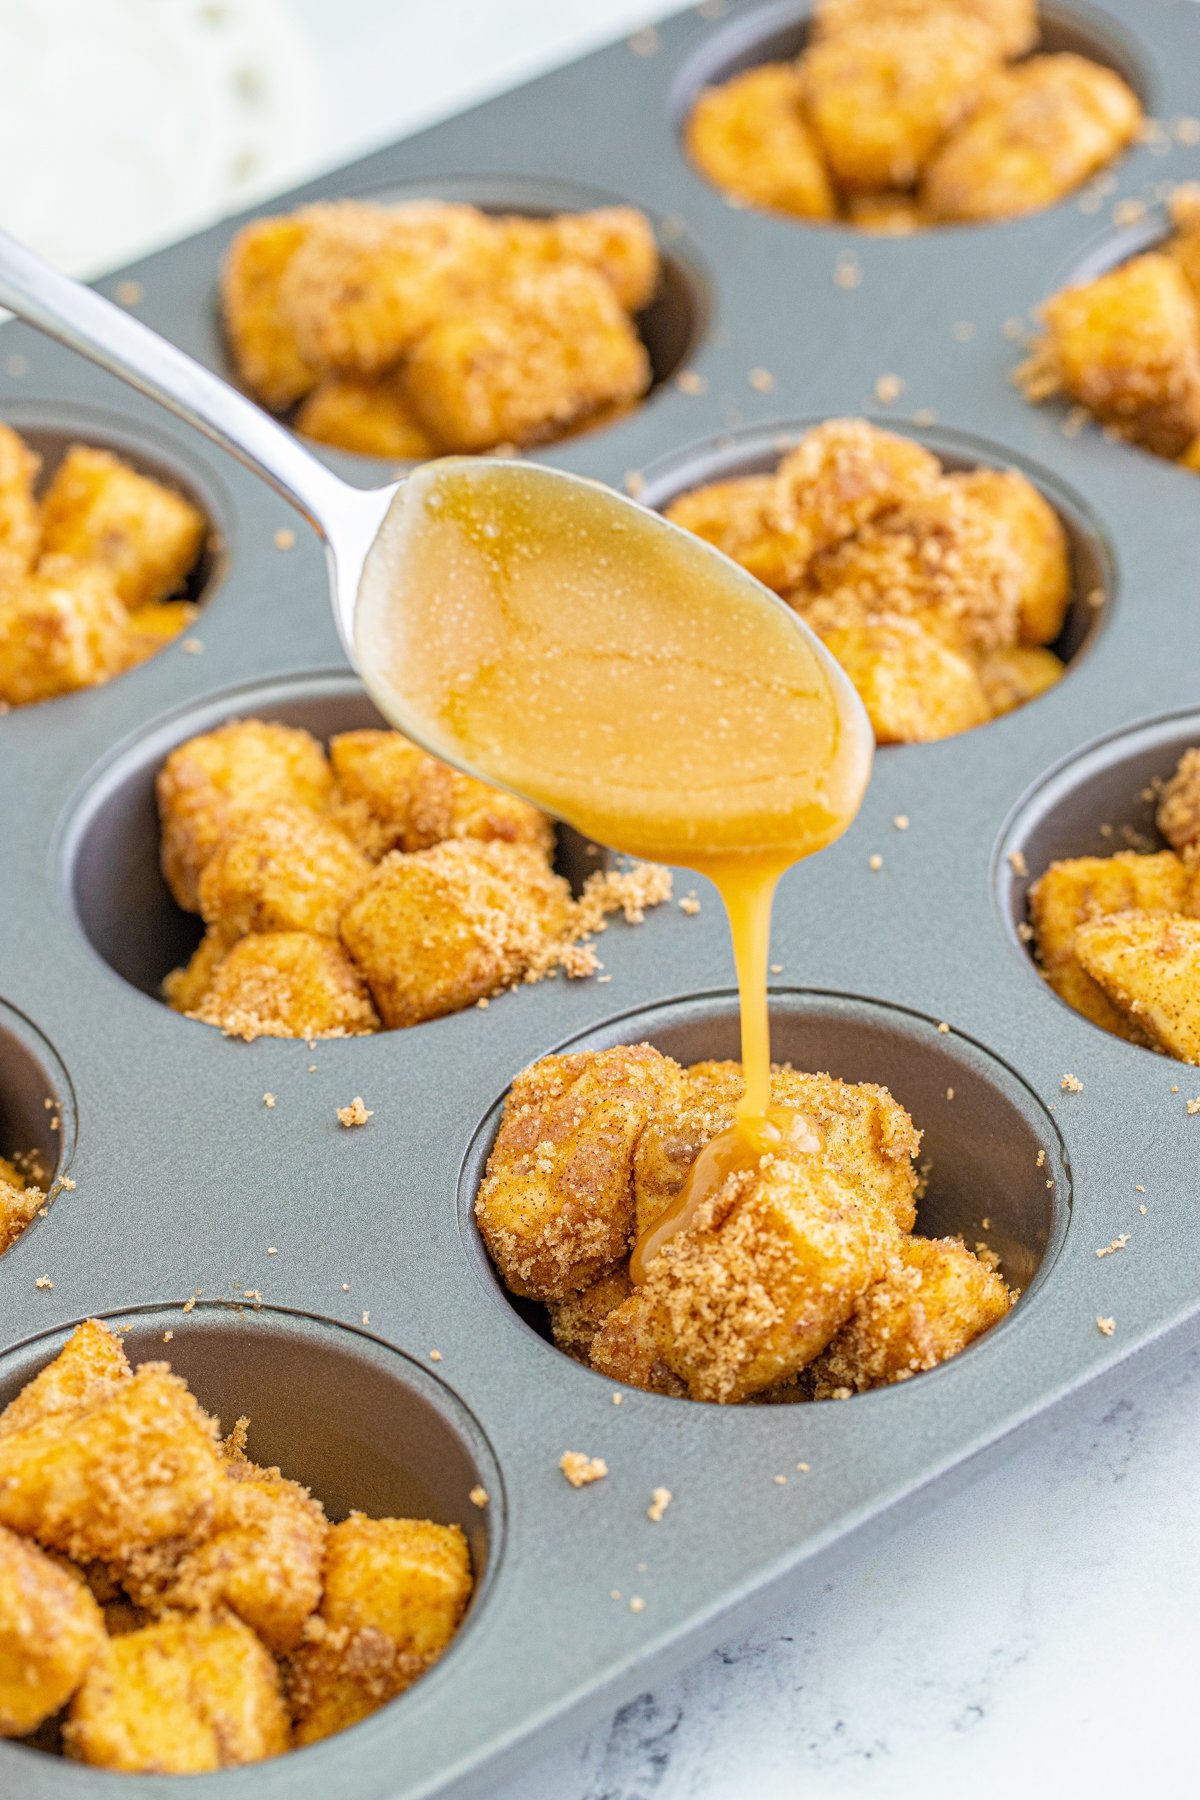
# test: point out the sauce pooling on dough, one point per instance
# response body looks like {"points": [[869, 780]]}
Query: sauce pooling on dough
{"points": [[562, 642]]}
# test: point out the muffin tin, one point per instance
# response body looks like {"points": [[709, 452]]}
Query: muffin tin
{"points": [[374, 1350]]}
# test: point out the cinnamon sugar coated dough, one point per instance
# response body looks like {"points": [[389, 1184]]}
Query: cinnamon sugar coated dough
{"points": [[1118, 937], [413, 330], [89, 570], [904, 114], [938, 593], [364, 888], [1126, 347], [805, 1254], [209, 1615]]}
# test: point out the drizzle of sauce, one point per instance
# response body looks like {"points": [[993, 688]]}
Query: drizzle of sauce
{"points": [[559, 641]]}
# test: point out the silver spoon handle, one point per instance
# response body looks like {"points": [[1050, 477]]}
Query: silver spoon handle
{"points": [[84, 321]]}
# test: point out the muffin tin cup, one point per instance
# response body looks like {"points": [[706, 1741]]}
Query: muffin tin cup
{"points": [[184, 1178]]}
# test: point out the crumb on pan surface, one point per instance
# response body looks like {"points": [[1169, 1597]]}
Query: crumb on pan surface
{"points": [[427, 327], [367, 888], [939, 593], [191, 1609], [899, 115], [91, 570], [795, 1277]]}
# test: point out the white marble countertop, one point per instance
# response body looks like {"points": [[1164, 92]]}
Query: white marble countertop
{"points": [[1037, 1633]]}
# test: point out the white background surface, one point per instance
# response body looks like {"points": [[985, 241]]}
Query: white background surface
{"points": [[1036, 1635]]}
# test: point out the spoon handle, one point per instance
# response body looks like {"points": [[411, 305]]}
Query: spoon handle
{"points": [[84, 321]]}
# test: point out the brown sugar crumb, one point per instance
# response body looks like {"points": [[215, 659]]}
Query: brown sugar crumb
{"points": [[1118, 1243], [479, 1496], [580, 1469], [192, 646], [943, 1027], [1142, 1209], [888, 389], [1025, 932], [1041, 1159], [189, 1304], [847, 273], [689, 382], [949, 1093], [66, 1182], [659, 1502], [366, 1317], [635, 483], [780, 1480], [1071, 1084], [253, 1294], [1138, 1188], [268, 1101], [44, 1282], [1128, 212], [167, 1336], [627, 891], [776, 968], [285, 538], [435, 1356], [1107, 1326], [354, 1114], [618, 1399], [128, 293], [875, 863], [271, 1250], [761, 380], [802, 1468], [901, 821], [1193, 1106], [1017, 863], [689, 905], [637, 1604]]}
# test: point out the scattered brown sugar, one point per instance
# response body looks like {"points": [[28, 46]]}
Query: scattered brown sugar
{"points": [[847, 272], [269, 1101], [129, 293], [44, 1282], [354, 1114], [435, 1356], [637, 1604], [1193, 1106], [659, 1502], [192, 645], [580, 1470], [875, 863], [888, 388], [285, 538], [479, 1496], [943, 1027], [761, 380], [1071, 1084], [1118, 1243], [688, 381], [1107, 1326], [690, 905], [901, 821], [1017, 863]]}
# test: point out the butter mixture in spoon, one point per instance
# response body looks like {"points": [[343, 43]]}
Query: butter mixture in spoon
{"points": [[562, 642]]}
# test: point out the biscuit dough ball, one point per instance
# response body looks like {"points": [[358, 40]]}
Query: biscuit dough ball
{"points": [[289, 869], [1178, 815], [263, 1559], [1012, 23], [1148, 966], [50, 1631], [180, 1697], [91, 1365], [846, 473], [19, 1206], [287, 984], [945, 558], [1043, 554], [367, 281], [61, 628], [209, 783], [625, 1348], [1077, 890], [264, 346], [1011, 678], [100, 512], [751, 139], [869, 1139], [740, 518], [1039, 131], [771, 1266], [368, 416], [441, 929], [575, 1320], [395, 1593], [134, 1466], [542, 352], [881, 97], [915, 687], [1127, 347], [392, 796], [184, 989], [20, 518], [556, 1206], [618, 242], [934, 1299]]}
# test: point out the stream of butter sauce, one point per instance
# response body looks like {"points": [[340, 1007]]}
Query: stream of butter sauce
{"points": [[560, 641]]}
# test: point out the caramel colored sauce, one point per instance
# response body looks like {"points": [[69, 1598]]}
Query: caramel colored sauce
{"points": [[729, 1153], [561, 642]]}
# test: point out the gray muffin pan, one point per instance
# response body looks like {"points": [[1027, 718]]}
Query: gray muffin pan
{"points": [[184, 1179]]}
